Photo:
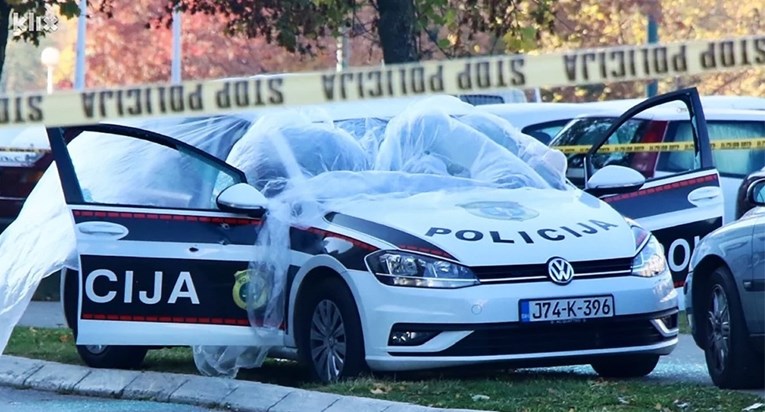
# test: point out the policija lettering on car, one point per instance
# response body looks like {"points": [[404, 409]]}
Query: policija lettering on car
{"points": [[576, 230], [183, 288]]}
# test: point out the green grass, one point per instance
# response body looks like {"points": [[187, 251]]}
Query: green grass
{"points": [[474, 388], [682, 323], [58, 345], [546, 391]]}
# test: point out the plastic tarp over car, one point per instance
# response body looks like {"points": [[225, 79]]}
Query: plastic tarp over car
{"points": [[306, 165]]}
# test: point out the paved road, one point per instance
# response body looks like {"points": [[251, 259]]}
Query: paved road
{"points": [[685, 364], [43, 315], [18, 400]]}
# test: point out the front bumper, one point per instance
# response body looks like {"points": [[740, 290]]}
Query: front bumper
{"points": [[523, 345], [523, 338], [481, 324]]}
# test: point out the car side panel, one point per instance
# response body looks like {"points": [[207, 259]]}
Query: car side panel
{"points": [[753, 297], [169, 279], [663, 207], [733, 244]]}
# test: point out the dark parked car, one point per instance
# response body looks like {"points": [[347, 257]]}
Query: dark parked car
{"points": [[725, 297], [20, 169]]}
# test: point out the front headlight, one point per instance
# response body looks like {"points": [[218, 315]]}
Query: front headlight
{"points": [[650, 260], [398, 268]]}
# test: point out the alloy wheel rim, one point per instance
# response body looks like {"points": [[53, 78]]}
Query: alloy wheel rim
{"points": [[719, 329], [328, 340], [95, 349]]}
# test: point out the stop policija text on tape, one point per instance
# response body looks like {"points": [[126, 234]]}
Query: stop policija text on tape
{"points": [[484, 74]]}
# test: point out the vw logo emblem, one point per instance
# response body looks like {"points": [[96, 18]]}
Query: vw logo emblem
{"points": [[560, 271]]}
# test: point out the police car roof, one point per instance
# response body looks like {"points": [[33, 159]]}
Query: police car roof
{"points": [[24, 137], [674, 112], [521, 115], [708, 102]]}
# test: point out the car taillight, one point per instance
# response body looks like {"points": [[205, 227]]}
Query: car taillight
{"points": [[645, 162]]}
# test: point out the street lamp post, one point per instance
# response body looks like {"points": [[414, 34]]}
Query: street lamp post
{"points": [[49, 58], [343, 51], [652, 88], [175, 68], [79, 67]]}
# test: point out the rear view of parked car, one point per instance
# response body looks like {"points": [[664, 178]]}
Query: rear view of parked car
{"points": [[725, 297], [22, 162]]}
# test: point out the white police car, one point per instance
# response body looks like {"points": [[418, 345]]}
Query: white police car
{"points": [[457, 241]]}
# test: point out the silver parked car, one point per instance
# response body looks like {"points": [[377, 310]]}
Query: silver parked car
{"points": [[725, 297]]}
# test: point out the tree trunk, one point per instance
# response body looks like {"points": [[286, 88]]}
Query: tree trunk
{"points": [[397, 31], [5, 25]]}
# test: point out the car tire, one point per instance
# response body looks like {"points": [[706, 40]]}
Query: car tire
{"points": [[334, 356], [112, 357], [628, 366], [97, 356], [732, 361]]}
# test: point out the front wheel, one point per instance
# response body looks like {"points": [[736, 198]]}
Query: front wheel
{"points": [[731, 360], [630, 366], [330, 339]]}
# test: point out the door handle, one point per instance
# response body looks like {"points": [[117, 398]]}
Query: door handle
{"points": [[703, 194], [102, 229]]}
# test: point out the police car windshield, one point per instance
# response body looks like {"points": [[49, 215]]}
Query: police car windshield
{"points": [[441, 144]]}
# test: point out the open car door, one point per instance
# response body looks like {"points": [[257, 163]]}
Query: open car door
{"points": [[160, 262], [679, 206]]}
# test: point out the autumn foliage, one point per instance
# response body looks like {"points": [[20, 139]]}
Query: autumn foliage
{"points": [[598, 23], [122, 50]]}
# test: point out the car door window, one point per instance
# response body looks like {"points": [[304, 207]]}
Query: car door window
{"points": [[583, 132], [734, 163], [170, 177]]}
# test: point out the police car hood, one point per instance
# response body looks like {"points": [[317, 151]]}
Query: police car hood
{"points": [[485, 227]]}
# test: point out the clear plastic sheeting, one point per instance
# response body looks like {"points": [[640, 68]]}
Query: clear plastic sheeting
{"points": [[306, 165], [479, 146]]}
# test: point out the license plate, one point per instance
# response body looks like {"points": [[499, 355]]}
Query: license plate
{"points": [[567, 309]]}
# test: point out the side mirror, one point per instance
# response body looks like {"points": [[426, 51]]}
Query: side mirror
{"points": [[613, 180], [242, 198], [756, 192]]}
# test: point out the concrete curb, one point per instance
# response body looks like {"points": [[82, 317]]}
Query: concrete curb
{"points": [[217, 393]]}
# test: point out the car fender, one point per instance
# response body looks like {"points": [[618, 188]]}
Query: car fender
{"points": [[725, 246], [323, 262]]}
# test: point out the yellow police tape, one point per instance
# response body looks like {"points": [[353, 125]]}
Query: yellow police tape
{"points": [[732, 144], [737, 144], [22, 150], [459, 76]]}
